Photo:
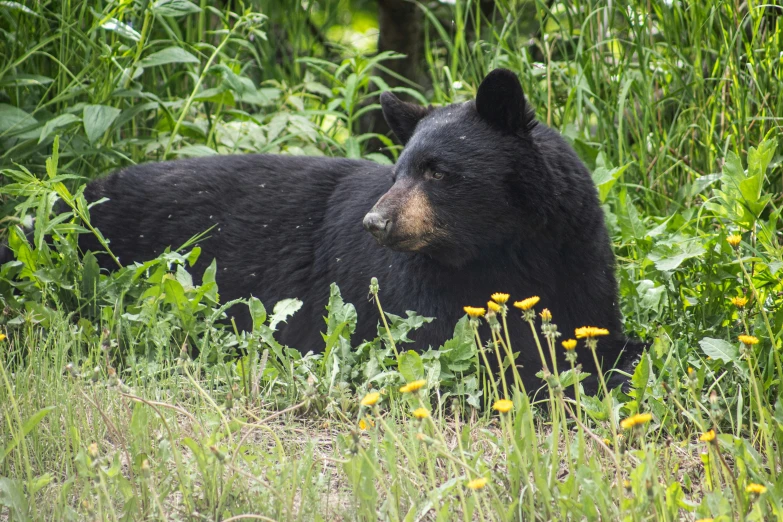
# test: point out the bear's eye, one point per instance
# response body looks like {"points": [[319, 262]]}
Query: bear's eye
{"points": [[436, 175]]}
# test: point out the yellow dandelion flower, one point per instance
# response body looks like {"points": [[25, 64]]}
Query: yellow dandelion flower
{"points": [[500, 297], [627, 484], [527, 304], [569, 344], [748, 340], [477, 483], [690, 370], [421, 413], [546, 315], [371, 399], [2, 337], [413, 386], [474, 312], [739, 302], [362, 424], [707, 436], [705, 520], [640, 419], [734, 240], [589, 332], [758, 489], [492, 305], [503, 406]]}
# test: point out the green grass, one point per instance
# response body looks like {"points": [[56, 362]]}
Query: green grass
{"points": [[674, 106]]}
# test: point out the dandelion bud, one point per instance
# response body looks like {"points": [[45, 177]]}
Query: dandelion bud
{"points": [[217, 453], [92, 450]]}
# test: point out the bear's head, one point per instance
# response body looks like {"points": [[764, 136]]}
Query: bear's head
{"points": [[469, 179]]}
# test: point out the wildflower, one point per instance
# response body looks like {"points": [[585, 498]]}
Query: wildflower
{"points": [[2, 337], [527, 304], [477, 483], [92, 449], [569, 344], [503, 406], [474, 312], [707, 436], [500, 298], [627, 484], [639, 419], [734, 240], [704, 520], [362, 424], [590, 332], [492, 305], [739, 302], [371, 399], [546, 315], [748, 340], [690, 371], [758, 489], [421, 413], [413, 386]]}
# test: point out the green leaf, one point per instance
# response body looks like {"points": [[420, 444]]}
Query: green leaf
{"points": [[139, 419], [14, 119], [674, 497], [340, 313], [18, 243], [641, 377], [411, 366], [668, 258], [283, 309], [257, 312], [720, 349], [174, 8], [168, 55], [62, 120], [122, 29], [631, 224], [461, 347], [595, 407], [12, 496], [208, 281], [90, 278], [40, 482], [27, 427], [605, 179], [97, 119]]}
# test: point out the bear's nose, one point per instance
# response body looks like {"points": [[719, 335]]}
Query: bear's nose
{"points": [[377, 225]]}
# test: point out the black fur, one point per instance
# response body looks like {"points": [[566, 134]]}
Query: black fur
{"points": [[513, 209]]}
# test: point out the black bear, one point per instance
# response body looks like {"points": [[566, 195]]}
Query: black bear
{"points": [[483, 199]]}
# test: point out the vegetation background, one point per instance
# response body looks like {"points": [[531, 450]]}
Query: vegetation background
{"points": [[676, 108]]}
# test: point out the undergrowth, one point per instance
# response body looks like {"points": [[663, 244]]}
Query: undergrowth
{"points": [[128, 396]]}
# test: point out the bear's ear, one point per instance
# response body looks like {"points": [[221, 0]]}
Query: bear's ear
{"points": [[501, 102], [401, 116]]}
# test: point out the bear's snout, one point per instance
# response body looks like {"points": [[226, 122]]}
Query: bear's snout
{"points": [[377, 225]]}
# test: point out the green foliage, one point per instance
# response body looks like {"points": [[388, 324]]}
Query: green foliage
{"points": [[130, 395]]}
